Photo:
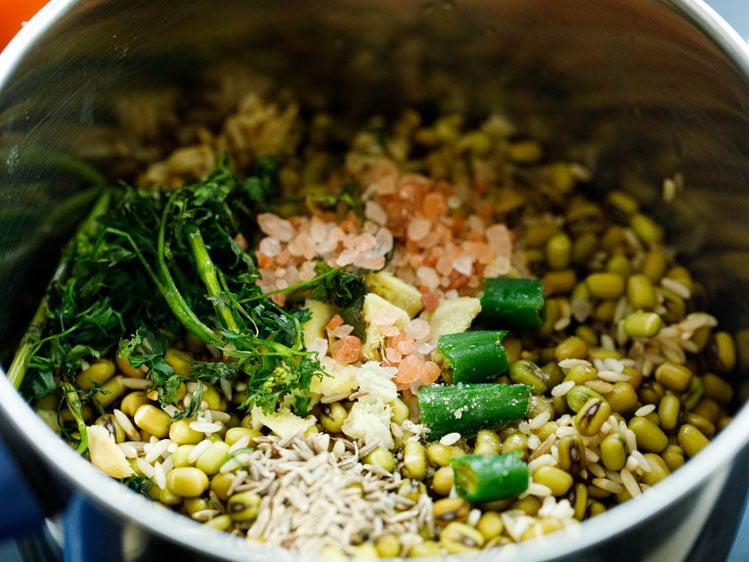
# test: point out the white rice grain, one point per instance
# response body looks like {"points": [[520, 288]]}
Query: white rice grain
{"points": [[159, 476], [613, 376], [219, 416], [206, 427], [539, 420], [534, 442], [538, 490], [541, 460], [645, 410], [567, 364], [642, 461], [155, 450], [171, 410], [198, 450], [450, 438], [676, 287], [136, 383], [597, 470], [607, 342], [516, 522], [562, 388], [614, 364], [630, 483], [126, 425], [240, 443], [608, 485], [630, 439], [591, 456], [565, 431], [145, 467], [600, 386], [129, 451]]}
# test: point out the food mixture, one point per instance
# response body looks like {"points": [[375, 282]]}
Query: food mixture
{"points": [[420, 337]]}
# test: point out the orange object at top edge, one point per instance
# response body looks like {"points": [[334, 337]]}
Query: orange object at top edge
{"points": [[13, 13]]}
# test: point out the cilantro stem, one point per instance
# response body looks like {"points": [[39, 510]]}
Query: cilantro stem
{"points": [[29, 346], [73, 401], [31, 342], [172, 294], [309, 284], [208, 273]]}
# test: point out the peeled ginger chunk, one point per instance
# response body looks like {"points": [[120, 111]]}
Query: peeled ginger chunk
{"points": [[105, 454]]}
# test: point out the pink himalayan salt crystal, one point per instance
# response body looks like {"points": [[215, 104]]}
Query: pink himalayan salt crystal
{"points": [[454, 202], [269, 246], [430, 240], [475, 223], [341, 331], [294, 250], [307, 271], [331, 240], [414, 371], [409, 370], [369, 260], [444, 265], [389, 330], [319, 346], [384, 241], [479, 250], [425, 348], [266, 277], [275, 226], [385, 316], [499, 238], [291, 276], [346, 257], [393, 355], [418, 228], [404, 344], [463, 264], [498, 267], [346, 350], [434, 205], [428, 277], [318, 229], [412, 183], [307, 248], [386, 185], [430, 300], [374, 212], [364, 242], [370, 227], [334, 322], [431, 372], [418, 329]]}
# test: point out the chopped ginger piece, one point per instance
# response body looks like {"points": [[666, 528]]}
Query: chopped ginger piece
{"points": [[452, 316], [395, 291], [105, 454]]}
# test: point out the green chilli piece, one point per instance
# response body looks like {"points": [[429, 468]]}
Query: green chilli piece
{"points": [[485, 478], [513, 302], [476, 356], [469, 408]]}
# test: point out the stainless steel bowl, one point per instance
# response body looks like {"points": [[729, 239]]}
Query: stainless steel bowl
{"points": [[662, 85]]}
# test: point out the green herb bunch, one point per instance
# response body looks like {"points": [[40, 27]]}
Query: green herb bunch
{"points": [[147, 265]]}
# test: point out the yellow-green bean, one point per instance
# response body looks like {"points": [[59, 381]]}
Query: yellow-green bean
{"points": [[186, 481]]}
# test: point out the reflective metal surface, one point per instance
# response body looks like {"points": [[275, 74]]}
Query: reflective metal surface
{"points": [[647, 89]]}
